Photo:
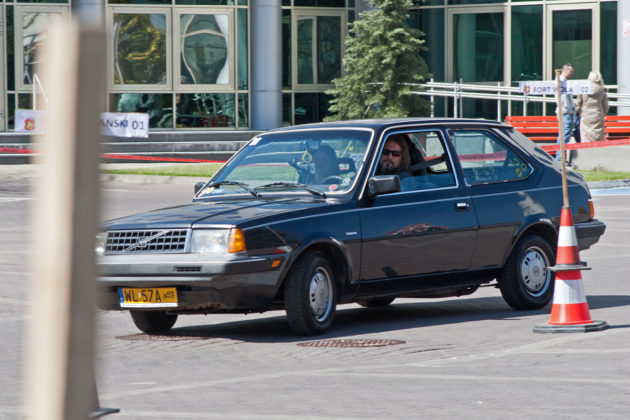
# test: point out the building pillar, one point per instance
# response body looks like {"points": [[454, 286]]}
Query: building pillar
{"points": [[623, 52], [266, 67]]}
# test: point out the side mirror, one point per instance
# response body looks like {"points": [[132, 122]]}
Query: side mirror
{"points": [[384, 184], [199, 186]]}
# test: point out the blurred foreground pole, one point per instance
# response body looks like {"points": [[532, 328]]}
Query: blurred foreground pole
{"points": [[59, 361]]}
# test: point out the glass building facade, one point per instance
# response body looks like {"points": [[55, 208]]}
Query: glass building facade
{"points": [[184, 62], [504, 42], [188, 63]]}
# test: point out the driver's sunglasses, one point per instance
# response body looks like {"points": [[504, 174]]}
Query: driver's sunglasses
{"points": [[395, 153]]}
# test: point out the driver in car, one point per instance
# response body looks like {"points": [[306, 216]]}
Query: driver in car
{"points": [[395, 158]]}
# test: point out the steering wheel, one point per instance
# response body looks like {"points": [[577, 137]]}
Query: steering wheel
{"points": [[300, 169], [333, 179]]}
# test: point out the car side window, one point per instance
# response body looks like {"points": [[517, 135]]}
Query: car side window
{"points": [[486, 159], [423, 162]]}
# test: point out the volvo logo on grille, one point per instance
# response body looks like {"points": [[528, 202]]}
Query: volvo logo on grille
{"points": [[143, 242]]}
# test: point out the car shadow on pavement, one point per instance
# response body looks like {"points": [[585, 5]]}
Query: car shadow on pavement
{"points": [[353, 321]]}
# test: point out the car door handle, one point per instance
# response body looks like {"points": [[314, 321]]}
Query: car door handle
{"points": [[462, 206]]}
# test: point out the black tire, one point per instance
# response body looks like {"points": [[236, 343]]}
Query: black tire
{"points": [[310, 296], [375, 303], [526, 281], [153, 321]]}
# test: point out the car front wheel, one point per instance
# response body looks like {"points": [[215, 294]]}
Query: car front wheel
{"points": [[153, 321], [526, 281], [310, 296]]}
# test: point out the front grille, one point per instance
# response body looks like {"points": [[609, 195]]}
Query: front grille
{"points": [[145, 241]]}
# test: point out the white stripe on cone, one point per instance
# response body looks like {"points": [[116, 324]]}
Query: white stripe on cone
{"points": [[566, 236], [568, 291]]}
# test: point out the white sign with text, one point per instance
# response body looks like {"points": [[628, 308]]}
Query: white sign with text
{"points": [[117, 124], [125, 124], [549, 87]]}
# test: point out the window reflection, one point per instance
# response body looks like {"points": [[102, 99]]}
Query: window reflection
{"points": [[139, 48], [310, 107], [329, 48], [572, 40], [286, 48], [242, 49], [305, 49], [205, 110], [159, 107], [205, 46], [320, 3], [318, 49], [243, 110], [527, 30], [478, 47], [33, 35]]}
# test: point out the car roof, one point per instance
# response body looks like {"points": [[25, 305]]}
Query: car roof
{"points": [[377, 124]]}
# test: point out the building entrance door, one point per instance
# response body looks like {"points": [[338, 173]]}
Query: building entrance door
{"points": [[572, 37]]}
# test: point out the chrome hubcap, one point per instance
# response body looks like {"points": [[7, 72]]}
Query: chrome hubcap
{"points": [[534, 273], [320, 294]]}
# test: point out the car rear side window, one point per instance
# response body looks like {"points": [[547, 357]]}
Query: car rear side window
{"points": [[486, 159]]}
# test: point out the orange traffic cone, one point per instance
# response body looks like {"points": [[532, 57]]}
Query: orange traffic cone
{"points": [[569, 311]]}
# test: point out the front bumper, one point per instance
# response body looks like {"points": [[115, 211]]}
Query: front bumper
{"points": [[588, 233], [204, 284]]}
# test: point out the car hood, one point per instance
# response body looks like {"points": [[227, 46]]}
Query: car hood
{"points": [[225, 212]]}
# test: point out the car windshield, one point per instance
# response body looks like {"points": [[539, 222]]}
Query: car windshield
{"points": [[315, 161]]}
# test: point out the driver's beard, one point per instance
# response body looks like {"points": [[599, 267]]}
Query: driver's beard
{"points": [[388, 168]]}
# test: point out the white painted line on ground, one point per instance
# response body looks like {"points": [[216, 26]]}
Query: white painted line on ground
{"points": [[14, 229], [13, 301], [480, 378], [229, 415], [11, 199], [13, 319], [580, 351], [114, 190]]}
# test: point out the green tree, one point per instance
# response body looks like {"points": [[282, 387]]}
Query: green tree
{"points": [[382, 57]]}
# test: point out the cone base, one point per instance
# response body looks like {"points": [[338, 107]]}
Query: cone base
{"points": [[592, 326]]}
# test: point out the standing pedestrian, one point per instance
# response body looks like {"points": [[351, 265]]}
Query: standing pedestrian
{"points": [[592, 108], [568, 106]]}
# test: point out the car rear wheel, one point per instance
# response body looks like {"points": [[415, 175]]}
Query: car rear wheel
{"points": [[153, 321], [526, 281], [375, 303], [310, 297]]}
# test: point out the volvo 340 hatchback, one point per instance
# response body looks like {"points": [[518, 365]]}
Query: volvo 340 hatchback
{"points": [[302, 219]]}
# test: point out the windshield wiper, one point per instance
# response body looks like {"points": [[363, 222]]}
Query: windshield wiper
{"points": [[289, 185], [238, 184]]}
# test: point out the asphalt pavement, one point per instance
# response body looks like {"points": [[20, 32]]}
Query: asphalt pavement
{"points": [[470, 357]]}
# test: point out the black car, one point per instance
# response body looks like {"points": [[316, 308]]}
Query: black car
{"points": [[301, 218]]}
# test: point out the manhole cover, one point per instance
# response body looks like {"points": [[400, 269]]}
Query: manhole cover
{"points": [[368, 342], [171, 336]]}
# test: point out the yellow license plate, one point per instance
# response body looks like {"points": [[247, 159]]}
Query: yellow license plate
{"points": [[154, 297]]}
